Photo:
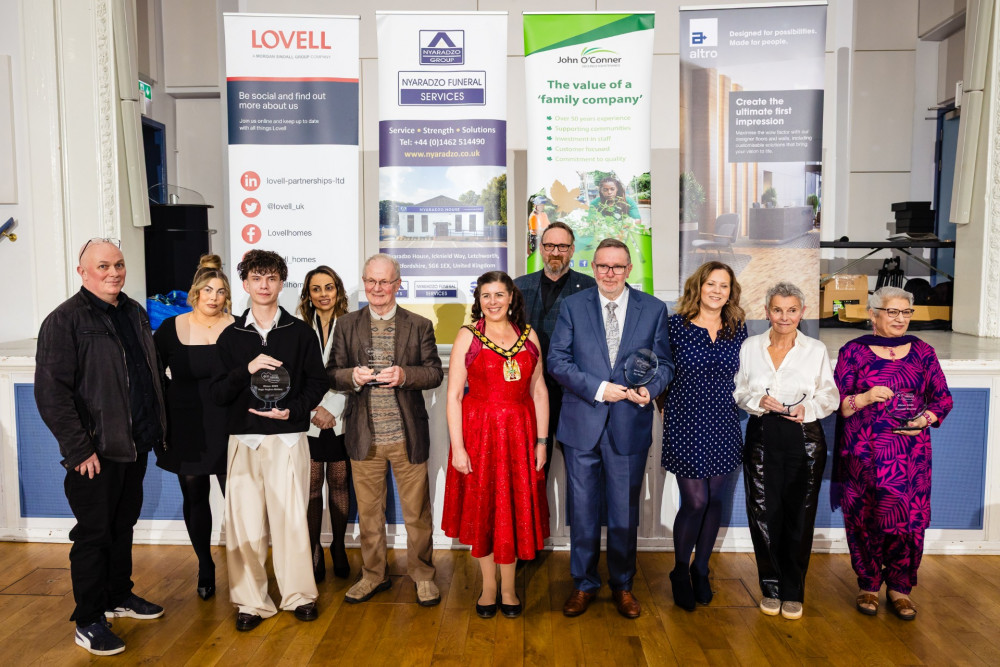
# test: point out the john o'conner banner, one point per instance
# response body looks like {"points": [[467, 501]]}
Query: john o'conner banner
{"points": [[588, 87], [751, 89], [443, 156], [292, 106]]}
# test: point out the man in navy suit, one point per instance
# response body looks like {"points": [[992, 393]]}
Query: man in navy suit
{"points": [[605, 426], [544, 292]]}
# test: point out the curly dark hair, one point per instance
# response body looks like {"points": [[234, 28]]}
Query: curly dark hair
{"points": [[263, 262], [515, 315], [689, 305], [306, 309]]}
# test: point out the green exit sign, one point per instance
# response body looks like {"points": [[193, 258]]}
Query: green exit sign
{"points": [[146, 90]]}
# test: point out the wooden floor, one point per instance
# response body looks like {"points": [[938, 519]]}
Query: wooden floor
{"points": [[958, 621]]}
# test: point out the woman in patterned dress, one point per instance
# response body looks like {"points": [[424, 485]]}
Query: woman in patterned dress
{"points": [[494, 497], [702, 443], [891, 389]]}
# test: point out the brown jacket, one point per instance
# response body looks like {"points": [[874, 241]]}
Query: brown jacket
{"points": [[415, 352]]}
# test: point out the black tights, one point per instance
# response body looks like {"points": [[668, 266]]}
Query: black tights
{"points": [[337, 479], [697, 523], [198, 519]]}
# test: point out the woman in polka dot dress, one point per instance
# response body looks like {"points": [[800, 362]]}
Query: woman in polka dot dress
{"points": [[702, 442]]}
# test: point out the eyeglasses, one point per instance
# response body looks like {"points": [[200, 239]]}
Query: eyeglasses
{"points": [[98, 239], [371, 283], [616, 269], [788, 406], [893, 313], [561, 247]]}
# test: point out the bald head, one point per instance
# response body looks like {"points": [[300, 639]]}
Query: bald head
{"points": [[102, 270]]}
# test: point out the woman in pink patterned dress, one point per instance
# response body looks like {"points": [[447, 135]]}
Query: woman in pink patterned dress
{"points": [[891, 389]]}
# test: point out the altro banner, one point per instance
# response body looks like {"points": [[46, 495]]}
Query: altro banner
{"points": [[443, 156], [751, 185], [588, 79], [292, 110]]}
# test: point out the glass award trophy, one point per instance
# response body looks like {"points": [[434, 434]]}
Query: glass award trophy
{"points": [[377, 360], [640, 368], [270, 385], [904, 406]]}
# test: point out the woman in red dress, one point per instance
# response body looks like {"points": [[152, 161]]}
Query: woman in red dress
{"points": [[494, 497]]}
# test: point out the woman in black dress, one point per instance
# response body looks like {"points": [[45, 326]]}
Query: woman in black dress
{"points": [[322, 301], [196, 430]]}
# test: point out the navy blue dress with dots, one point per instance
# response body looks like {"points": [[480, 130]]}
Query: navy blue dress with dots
{"points": [[701, 427]]}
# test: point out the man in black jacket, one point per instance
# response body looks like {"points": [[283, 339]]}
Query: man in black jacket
{"points": [[267, 486], [97, 389]]}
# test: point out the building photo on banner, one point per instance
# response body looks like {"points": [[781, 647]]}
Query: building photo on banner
{"points": [[839, 156]]}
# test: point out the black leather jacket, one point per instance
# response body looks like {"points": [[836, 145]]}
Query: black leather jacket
{"points": [[81, 382]]}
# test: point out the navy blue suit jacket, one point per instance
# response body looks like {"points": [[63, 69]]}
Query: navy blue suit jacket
{"points": [[578, 360]]}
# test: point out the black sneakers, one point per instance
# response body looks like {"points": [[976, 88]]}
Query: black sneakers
{"points": [[135, 607], [98, 638]]}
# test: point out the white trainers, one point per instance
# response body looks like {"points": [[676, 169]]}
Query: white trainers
{"points": [[791, 610], [770, 606], [428, 594]]}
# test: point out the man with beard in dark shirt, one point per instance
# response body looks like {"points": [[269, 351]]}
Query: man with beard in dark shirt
{"points": [[544, 292]]}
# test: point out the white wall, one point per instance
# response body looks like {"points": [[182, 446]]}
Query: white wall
{"points": [[17, 294]]}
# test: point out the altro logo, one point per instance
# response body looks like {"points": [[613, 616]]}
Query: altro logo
{"points": [[704, 32], [442, 47]]}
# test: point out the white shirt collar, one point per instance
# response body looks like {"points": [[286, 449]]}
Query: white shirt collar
{"points": [[388, 316], [251, 321], [622, 300]]}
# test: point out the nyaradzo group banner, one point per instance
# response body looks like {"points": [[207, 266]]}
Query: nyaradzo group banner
{"points": [[751, 184], [443, 156], [292, 108], [588, 79]]}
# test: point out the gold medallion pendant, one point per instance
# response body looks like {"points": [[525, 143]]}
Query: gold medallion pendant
{"points": [[511, 371]]}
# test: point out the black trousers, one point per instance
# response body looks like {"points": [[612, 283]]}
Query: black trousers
{"points": [[782, 470], [106, 509]]}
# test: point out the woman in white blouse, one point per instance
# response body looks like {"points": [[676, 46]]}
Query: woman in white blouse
{"points": [[786, 384]]}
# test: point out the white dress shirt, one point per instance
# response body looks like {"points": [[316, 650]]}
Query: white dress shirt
{"points": [[805, 370], [253, 440], [622, 302]]}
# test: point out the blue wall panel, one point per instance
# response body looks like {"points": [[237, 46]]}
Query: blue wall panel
{"points": [[959, 469], [41, 475]]}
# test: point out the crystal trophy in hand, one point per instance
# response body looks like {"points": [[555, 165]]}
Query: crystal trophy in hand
{"points": [[377, 360], [640, 368], [904, 407], [270, 385]]}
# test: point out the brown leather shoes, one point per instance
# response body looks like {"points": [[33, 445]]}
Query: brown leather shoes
{"points": [[577, 602], [626, 603]]}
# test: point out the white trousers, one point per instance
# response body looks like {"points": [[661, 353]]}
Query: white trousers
{"points": [[266, 494]]}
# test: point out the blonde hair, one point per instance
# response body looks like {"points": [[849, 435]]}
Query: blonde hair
{"points": [[209, 268]]}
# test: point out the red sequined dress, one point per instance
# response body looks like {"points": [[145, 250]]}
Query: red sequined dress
{"points": [[500, 507]]}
